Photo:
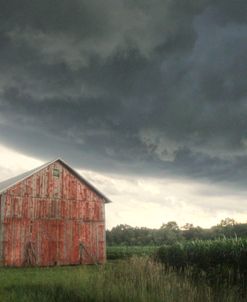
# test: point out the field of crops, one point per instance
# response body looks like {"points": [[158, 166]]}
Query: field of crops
{"points": [[231, 253], [220, 261]]}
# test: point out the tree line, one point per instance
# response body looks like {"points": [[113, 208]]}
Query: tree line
{"points": [[170, 233]]}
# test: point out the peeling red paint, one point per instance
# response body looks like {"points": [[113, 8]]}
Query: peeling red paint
{"points": [[51, 218]]}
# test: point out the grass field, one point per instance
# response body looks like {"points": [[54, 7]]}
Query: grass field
{"points": [[136, 279], [125, 252]]}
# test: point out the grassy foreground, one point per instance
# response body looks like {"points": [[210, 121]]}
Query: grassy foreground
{"points": [[135, 280]]}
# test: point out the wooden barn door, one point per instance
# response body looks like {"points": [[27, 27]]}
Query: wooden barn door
{"points": [[88, 243], [48, 242]]}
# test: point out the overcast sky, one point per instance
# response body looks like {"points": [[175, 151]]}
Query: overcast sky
{"points": [[148, 99]]}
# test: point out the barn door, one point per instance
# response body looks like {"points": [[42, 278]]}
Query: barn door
{"points": [[87, 243], [30, 250]]}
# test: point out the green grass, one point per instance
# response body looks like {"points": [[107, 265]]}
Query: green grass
{"points": [[138, 279], [124, 252]]}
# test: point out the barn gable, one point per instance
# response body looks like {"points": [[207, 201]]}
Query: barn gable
{"points": [[7, 184], [51, 216]]}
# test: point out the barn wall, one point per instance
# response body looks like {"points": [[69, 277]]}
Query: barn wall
{"points": [[53, 218], [1, 228]]}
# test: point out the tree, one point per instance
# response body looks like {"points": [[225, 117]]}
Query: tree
{"points": [[171, 226], [188, 226], [227, 222], [169, 233]]}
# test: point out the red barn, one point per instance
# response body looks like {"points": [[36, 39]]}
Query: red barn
{"points": [[51, 216]]}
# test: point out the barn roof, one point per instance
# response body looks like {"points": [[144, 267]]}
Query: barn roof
{"points": [[6, 184]]}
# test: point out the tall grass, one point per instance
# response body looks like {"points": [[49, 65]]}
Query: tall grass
{"points": [[138, 279]]}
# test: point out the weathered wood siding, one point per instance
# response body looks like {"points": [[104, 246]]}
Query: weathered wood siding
{"points": [[52, 218]]}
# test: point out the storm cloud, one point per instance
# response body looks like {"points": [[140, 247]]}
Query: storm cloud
{"points": [[140, 87]]}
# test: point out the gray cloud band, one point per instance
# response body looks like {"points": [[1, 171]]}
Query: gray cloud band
{"points": [[127, 86]]}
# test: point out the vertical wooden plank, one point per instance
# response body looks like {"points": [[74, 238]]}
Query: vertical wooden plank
{"points": [[61, 239]]}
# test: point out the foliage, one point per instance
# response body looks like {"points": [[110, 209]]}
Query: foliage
{"points": [[136, 280], [227, 221], [170, 233]]}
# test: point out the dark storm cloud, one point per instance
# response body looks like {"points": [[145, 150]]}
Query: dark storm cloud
{"points": [[130, 86]]}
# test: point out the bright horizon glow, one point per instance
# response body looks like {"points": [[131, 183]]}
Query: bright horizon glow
{"points": [[147, 201]]}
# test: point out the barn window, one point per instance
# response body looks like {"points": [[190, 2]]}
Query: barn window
{"points": [[56, 172]]}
